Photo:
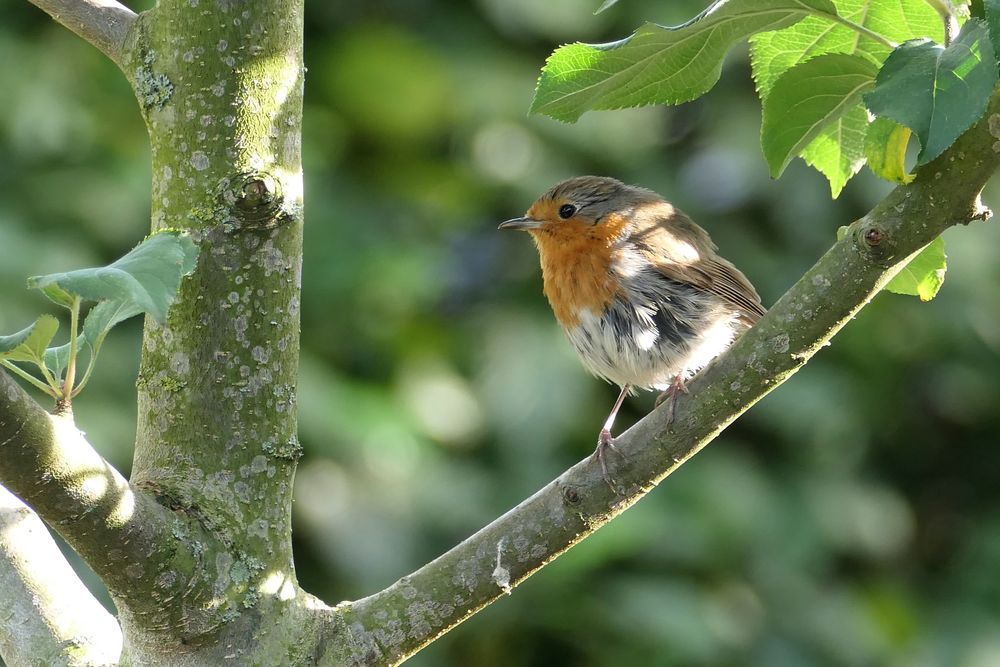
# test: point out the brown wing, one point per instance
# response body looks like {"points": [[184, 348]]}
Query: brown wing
{"points": [[683, 251], [729, 282]]}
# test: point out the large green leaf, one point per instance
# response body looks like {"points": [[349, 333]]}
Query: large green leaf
{"points": [[659, 64], [29, 344], [924, 274], [839, 150], [936, 91], [146, 278], [773, 53], [806, 99]]}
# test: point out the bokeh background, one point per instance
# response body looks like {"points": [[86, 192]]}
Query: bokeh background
{"points": [[851, 518]]}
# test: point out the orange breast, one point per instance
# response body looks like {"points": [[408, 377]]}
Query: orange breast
{"points": [[576, 262]]}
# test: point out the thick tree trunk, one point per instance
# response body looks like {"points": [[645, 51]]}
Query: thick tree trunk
{"points": [[220, 87]]}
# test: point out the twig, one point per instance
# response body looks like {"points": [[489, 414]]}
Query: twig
{"points": [[103, 23]]}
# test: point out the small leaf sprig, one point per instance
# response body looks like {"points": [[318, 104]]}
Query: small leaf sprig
{"points": [[145, 280]]}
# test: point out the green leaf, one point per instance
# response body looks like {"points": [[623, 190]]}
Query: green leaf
{"points": [[96, 326], [58, 295], [29, 344], [606, 5], [57, 358], [773, 53], [838, 152], [105, 315], [885, 149], [924, 274], [938, 92], [659, 64], [808, 98], [146, 278]]}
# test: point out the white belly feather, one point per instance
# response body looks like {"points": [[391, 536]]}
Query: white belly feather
{"points": [[664, 329]]}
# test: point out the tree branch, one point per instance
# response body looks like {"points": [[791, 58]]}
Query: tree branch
{"points": [[125, 536], [103, 23], [47, 615], [391, 625]]}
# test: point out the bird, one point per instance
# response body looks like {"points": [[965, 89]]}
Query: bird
{"points": [[639, 289]]}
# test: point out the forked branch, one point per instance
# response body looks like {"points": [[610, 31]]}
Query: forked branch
{"points": [[125, 536]]}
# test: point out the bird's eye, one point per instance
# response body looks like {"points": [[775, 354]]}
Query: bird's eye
{"points": [[566, 211]]}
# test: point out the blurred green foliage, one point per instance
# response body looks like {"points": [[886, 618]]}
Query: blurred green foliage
{"points": [[851, 518]]}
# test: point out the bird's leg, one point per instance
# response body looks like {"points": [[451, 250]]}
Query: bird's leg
{"points": [[676, 387], [605, 441]]}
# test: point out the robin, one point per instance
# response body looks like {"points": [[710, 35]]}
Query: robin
{"points": [[639, 289]]}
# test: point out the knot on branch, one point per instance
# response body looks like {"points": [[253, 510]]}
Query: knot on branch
{"points": [[874, 241], [571, 495], [255, 201], [874, 236]]}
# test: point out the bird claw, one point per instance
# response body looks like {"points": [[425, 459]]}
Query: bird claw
{"points": [[676, 388], [604, 443]]}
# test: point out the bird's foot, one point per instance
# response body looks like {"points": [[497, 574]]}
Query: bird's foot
{"points": [[676, 388], [604, 443]]}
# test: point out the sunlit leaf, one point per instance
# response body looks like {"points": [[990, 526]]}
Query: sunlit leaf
{"points": [[806, 99], [938, 92], [659, 64], [29, 344], [885, 149], [839, 150], [773, 53], [924, 274]]}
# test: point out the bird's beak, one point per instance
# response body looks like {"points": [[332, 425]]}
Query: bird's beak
{"points": [[523, 224]]}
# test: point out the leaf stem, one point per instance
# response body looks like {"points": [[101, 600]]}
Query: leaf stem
{"points": [[91, 362], [48, 376], [28, 377], [83, 382], [856, 27], [946, 9], [74, 326]]}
